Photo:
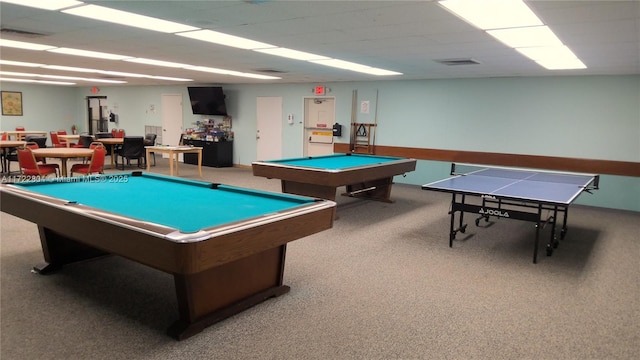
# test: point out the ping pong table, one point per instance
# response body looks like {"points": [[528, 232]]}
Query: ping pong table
{"points": [[513, 193]]}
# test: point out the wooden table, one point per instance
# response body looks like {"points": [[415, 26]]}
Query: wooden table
{"points": [[112, 142], [6, 145], [21, 134], [63, 154], [69, 138], [173, 151]]}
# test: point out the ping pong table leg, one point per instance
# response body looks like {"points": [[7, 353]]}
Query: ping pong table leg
{"points": [[537, 241], [455, 208], [563, 232], [553, 242]]}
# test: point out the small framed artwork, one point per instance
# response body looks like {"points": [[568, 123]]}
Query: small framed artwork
{"points": [[11, 103]]}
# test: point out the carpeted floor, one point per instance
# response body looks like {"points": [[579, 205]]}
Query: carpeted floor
{"points": [[381, 284]]}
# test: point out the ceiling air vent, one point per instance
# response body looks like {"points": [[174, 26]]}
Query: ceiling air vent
{"points": [[20, 33], [455, 62], [271, 71]]}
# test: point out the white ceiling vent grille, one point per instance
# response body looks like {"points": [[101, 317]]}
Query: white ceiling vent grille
{"points": [[456, 62], [20, 33]]}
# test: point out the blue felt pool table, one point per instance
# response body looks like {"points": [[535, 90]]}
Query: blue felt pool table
{"points": [[224, 245], [365, 176]]}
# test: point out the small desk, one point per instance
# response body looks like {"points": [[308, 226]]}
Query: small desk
{"points": [[6, 145], [173, 151], [112, 142], [226, 251], [63, 154], [69, 138], [21, 134]]}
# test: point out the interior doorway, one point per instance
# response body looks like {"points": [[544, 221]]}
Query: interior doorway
{"points": [[97, 114], [319, 117]]}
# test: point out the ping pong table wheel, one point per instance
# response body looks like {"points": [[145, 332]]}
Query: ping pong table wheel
{"points": [[549, 250], [563, 232]]}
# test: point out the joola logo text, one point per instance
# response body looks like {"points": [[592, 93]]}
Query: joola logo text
{"points": [[493, 212]]}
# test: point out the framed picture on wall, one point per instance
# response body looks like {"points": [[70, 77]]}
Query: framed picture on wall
{"points": [[11, 103]]}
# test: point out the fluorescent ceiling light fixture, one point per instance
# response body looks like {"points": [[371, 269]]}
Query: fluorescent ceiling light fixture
{"points": [[258, 76], [88, 70], [553, 58], [11, 73], [20, 63], [24, 45], [156, 62], [230, 72], [539, 53], [562, 64], [292, 54], [126, 18], [225, 39], [45, 4], [341, 64], [87, 53], [347, 65], [210, 70], [526, 36], [36, 81], [166, 78], [493, 14]]}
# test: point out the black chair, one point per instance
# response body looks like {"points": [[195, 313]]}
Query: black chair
{"points": [[86, 140], [104, 135], [132, 148], [40, 140], [150, 140]]}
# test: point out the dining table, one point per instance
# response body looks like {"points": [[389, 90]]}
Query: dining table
{"points": [[63, 154], [20, 135], [69, 138], [112, 143], [6, 146]]}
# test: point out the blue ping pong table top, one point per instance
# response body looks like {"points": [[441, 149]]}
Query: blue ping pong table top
{"points": [[529, 185]]}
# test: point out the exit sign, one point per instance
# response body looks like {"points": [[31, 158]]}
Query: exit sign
{"points": [[320, 90]]}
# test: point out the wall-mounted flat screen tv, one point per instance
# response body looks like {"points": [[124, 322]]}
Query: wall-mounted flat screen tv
{"points": [[207, 100]]}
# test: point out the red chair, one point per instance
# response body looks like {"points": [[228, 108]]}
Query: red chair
{"points": [[114, 132], [5, 136], [64, 142], [30, 167], [20, 128], [120, 133], [55, 141], [95, 166], [34, 145]]}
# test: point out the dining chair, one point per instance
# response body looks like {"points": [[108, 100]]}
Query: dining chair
{"points": [[20, 128], [85, 141], [150, 140], [30, 167], [55, 141], [120, 133], [40, 140], [132, 148], [95, 166], [64, 142], [5, 136], [114, 132]]}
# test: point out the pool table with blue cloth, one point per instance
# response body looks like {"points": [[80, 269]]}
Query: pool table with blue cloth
{"points": [[365, 176], [225, 246]]}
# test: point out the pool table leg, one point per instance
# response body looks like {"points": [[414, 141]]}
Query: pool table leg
{"points": [[59, 250], [215, 294]]}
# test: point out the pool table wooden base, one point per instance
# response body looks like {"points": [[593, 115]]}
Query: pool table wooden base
{"points": [[204, 298], [379, 189]]}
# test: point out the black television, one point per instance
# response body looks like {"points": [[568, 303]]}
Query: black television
{"points": [[207, 100]]}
